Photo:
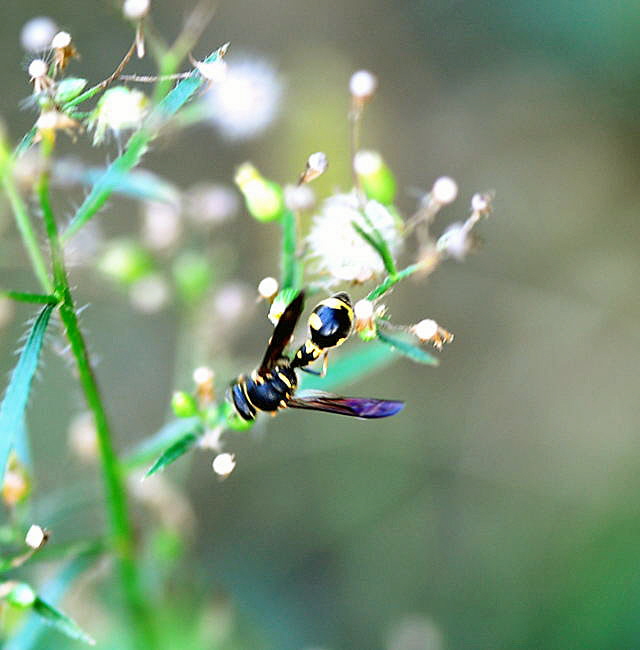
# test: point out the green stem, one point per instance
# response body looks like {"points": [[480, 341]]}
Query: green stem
{"points": [[27, 232], [291, 275], [21, 296], [391, 280], [121, 530]]}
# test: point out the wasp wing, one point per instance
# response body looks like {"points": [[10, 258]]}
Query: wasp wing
{"points": [[358, 407], [282, 333]]}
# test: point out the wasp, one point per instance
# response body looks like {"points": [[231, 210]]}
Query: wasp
{"points": [[272, 386]]}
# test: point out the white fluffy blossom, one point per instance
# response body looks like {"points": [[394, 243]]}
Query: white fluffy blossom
{"points": [[119, 109], [336, 246], [247, 100], [36, 34]]}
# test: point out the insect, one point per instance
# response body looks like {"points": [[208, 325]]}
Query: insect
{"points": [[329, 326], [272, 386]]}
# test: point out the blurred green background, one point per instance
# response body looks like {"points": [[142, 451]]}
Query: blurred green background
{"points": [[500, 509]]}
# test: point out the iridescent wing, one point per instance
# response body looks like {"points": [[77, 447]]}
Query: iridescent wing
{"points": [[357, 407], [282, 333]]}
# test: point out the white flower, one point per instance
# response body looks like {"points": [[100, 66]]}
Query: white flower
{"points": [[247, 100], [339, 249], [35, 537], [268, 288], [444, 190], [363, 84], [119, 109], [224, 464], [136, 9], [36, 34]]}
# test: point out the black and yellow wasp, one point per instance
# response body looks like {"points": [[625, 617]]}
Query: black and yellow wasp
{"points": [[272, 386]]}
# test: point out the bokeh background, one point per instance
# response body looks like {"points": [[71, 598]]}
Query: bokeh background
{"points": [[500, 509]]}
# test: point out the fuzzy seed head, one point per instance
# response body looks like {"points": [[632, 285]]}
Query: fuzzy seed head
{"points": [[363, 310], [213, 71], [35, 537], [455, 241], [299, 197], [38, 69], [223, 464], [136, 9], [61, 40], [426, 329], [119, 108], [367, 162], [202, 375], [444, 190], [363, 84], [481, 203], [36, 34], [268, 288], [338, 249]]}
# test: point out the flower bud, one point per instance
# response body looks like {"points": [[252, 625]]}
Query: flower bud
{"points": [[68, 89], [268, 288], [125, 261], [316, 166], [203, 378], [183, 404], [21, 595], [63, 50], [428, 331], [264, 198], [363, 84], [363, 312], [456, 241], [444, 191], [38, 68], [223, 464], [35, 537], [136, 9], [377, 179], [193, 276]]}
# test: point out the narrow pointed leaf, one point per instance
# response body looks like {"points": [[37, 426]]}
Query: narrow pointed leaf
{"points": [[350, 367], [406, 347], [153, 446], [291, 271], [172, 453], [377, 242], [136, 148], [14, 404], [60, 621]]}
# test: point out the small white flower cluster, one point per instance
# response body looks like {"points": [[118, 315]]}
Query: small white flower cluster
{"points": [[336, 246]]}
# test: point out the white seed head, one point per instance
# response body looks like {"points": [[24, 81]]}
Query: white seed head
{"points": [[202, 375], [247, 100], [36, 34], [318, 161], [363, 84], [299, 197], [223, 464], [135, 9], [481, 203], [367, 162], [38, 69], [210, 204], [363, 310], [268, 288], [455, 241], [150, 294], [162, 225], [444, 191], [426, 329], [35, 537], [61, 40]]}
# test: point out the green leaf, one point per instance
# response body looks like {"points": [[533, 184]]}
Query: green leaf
{"points": [[15, 400], [405, 346], [69, 89], [21, 296], [364, 360], [28, 635], [136, 148], [172, 453], [152, 447], [60, 621], [377, 242], [138, 184]]}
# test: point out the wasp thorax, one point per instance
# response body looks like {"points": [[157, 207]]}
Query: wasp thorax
{"points": [[330, 322]]}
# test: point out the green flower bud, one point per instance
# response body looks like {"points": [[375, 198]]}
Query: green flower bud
{"points": [[69, 89], [264, 198], [184, 405], [234, 421], [126, 261], [193, 276], [377, 179], [22, 595]]}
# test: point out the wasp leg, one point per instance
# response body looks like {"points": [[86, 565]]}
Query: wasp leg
{"points": [[311, 372], [325, 364]]}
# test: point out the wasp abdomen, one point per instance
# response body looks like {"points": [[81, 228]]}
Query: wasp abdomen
{"points": [[268, 392]]}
